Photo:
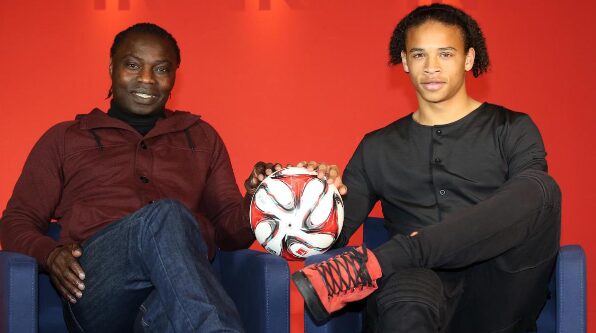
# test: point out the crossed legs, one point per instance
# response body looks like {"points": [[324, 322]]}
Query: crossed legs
{"points": [[150, 271]]}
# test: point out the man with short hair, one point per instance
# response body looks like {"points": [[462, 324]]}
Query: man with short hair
{"points": [[144, 196], [474, 217]]}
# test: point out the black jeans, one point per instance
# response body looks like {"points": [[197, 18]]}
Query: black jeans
{"points": [[483, 269]]}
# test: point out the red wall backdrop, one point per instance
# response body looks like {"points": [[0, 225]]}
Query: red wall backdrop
{"points": [[288, 80]]}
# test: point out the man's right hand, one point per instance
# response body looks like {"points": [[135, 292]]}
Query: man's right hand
{"points": [[65, 272], [260, 171]]}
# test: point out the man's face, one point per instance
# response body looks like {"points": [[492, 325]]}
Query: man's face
{"points": [[143, 71], [436, 61]]}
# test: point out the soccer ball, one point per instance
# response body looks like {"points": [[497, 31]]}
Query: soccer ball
{"points": [[295, 215]]}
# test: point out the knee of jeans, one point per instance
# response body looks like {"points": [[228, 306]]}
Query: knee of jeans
{"points": [[547, 184], [417, 285], [169, 203], [173, 214]]}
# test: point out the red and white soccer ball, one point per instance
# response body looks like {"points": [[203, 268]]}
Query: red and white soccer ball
{"points": [[295, 215]]}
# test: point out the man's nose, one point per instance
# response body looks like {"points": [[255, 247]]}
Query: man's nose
{"points": [[146, 76], [432, 66]]}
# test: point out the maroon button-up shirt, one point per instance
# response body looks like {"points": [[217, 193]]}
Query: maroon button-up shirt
{"points": [[95, 170]]}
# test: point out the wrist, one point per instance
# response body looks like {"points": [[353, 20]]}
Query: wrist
{"points": [[52, 256]]}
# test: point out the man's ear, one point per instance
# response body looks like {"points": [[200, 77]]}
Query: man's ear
{"points": [[404, 61], [470, 57], [110, 68]]}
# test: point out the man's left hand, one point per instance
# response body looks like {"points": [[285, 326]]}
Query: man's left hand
{"points": [[329, 171]]}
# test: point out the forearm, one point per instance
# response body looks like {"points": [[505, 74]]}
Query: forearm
{"points": [[233, 230], [36, 194], [19, 235]]}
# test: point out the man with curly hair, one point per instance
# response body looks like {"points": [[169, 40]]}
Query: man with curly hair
{"points": [[474, 217]]}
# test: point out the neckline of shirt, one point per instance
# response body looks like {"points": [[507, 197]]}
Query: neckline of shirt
{"points": [[462, 120]]}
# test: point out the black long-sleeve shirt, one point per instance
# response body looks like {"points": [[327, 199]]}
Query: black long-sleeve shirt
{"points": [[421, 174]]}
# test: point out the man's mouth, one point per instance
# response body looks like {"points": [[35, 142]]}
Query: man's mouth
{"points": [[143, 95], [433, 85]]}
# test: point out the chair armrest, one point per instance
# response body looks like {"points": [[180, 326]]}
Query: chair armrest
{"points": [[259, 284], [18, 293], [571, 290], [348, 319]]}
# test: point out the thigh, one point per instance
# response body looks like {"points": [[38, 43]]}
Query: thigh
{"points": [[507, 293], [115, 285]]}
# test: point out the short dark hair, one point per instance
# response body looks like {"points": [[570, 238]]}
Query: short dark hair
{"points": [[145, 28], [446, 14]]}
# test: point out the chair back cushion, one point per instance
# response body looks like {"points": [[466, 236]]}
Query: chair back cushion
{"points": [[375, 232]]}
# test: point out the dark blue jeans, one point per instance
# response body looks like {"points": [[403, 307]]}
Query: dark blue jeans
{"points": [[149, 272]]}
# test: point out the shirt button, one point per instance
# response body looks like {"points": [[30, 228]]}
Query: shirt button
{"points": [[143, 145], [442, 192], [437, 160], [439, 132], [144, 179]]}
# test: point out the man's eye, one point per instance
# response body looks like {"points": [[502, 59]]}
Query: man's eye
{"points": [[132, 66], [446, 55], [417, 55], [162, 69]]}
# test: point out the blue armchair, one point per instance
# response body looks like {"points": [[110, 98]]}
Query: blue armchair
{"points": [[564, 312], [257, 282]]}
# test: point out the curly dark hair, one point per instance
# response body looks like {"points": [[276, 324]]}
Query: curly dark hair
{"points": [[448, 15], [145, 28]]}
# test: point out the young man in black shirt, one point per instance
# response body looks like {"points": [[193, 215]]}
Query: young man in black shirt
{"points": [[474, 216]]}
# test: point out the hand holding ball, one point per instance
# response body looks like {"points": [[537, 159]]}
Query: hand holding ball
{"points": [[294, 214]]}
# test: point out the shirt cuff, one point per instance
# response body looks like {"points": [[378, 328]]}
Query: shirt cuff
{"points": [[42, 249]]}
